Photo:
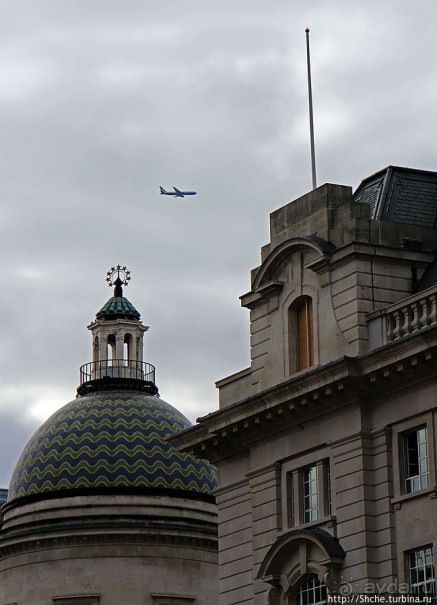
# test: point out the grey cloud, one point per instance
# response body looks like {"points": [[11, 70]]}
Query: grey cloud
{"points": [[14, 434], [102, 102]]}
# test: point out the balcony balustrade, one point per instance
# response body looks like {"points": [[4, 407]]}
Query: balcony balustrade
{"points": [[117, 373], [402, 319]]}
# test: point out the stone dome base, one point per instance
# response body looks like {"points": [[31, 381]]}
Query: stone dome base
{"points": [[107, 550]]}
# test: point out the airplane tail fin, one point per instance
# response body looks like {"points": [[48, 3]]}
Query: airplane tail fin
{"points": [[162, 190]]}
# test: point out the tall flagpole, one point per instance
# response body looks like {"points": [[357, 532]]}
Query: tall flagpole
{"points": [[310, 105]]}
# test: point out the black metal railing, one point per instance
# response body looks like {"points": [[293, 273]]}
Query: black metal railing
{"points": [[117, 368]]}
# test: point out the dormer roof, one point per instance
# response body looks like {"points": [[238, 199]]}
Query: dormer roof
{"points": [[400, 195]]}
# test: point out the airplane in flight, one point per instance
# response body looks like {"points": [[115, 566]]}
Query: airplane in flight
{"points": [[177, 192]]}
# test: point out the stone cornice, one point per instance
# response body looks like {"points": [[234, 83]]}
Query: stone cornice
{"points": [[253, 299], [116, 533], [310, 397], [384, 252]]}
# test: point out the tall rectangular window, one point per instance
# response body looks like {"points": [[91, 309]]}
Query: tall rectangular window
{"points": [[304, 330], [416, 460], [421, 571], [311, 508], [306, 493]]}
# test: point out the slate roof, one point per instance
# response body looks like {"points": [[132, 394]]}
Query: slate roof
{"points": [[401, 195]]}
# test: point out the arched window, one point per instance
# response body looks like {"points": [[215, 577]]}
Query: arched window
{"points": [[96, 351], [111, 349], [127, 349], [301, 334], [311, 592]]}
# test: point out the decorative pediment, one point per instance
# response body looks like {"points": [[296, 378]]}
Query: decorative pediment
{"points": [[272, 264], [301, 552], [268, 281]]}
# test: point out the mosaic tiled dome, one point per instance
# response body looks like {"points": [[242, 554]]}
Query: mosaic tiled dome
{"points": [[109, 440]]}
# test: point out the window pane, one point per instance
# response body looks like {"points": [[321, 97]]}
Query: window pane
{"points": [[416, 460], [291, 504], [311, 592], [421, 571], [311, 494]]}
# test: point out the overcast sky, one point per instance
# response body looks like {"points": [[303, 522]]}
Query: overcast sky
{"points": [[102, 101]]}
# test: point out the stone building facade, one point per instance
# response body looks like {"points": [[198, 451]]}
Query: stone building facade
{"points": [[101, 509], [326, 444]]}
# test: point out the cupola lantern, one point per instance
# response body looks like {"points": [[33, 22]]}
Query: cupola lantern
{"points": [[117, 336]]}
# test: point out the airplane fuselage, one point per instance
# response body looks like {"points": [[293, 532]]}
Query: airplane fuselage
{"points": [[177, 192]]}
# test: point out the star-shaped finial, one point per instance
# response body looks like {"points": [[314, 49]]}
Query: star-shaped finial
{"points": [[118, 273]]}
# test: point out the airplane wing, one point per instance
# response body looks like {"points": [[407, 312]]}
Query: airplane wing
{"points": [[178, 193]]}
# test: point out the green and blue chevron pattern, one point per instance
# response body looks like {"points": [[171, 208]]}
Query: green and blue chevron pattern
{"points": [[110, 439]]}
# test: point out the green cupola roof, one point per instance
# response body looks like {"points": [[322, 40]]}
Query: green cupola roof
{"points": [[118, 307]]}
